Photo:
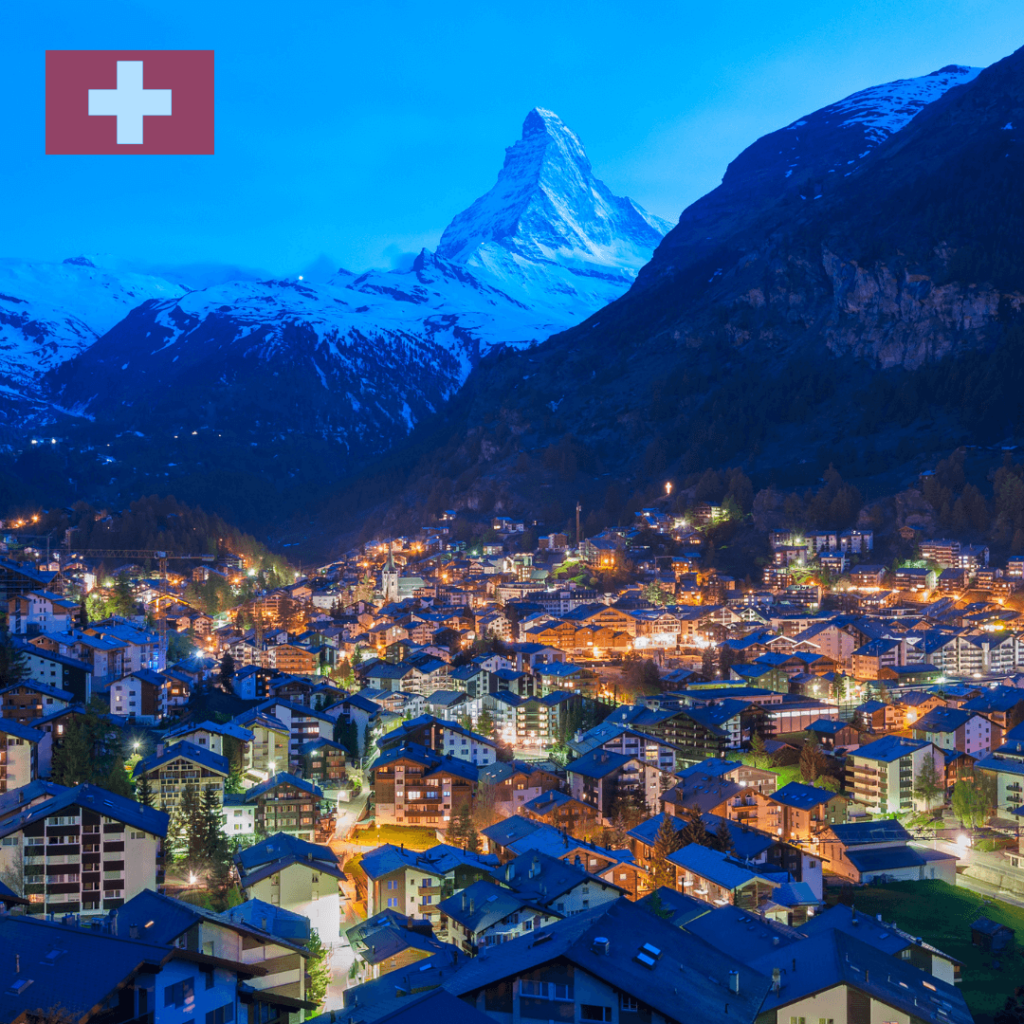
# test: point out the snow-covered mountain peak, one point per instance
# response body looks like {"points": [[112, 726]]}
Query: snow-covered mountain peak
{"points": [[549, 232], [49, 312]]}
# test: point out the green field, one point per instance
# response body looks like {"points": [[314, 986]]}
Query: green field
{"points": [[941, 914], [413, 837]]}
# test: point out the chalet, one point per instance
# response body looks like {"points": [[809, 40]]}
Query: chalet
{"points": [[285, 871], [486, 914], [800, 813], [880, 850], [286, 803], [414, 785]]}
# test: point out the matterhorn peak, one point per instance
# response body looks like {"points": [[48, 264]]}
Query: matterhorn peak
{"points": [[548, 216]]}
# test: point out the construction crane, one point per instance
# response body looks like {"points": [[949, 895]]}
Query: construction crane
{"points": [[162, 557]]}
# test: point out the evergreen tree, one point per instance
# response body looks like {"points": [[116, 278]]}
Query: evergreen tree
{"points": [[928, 783], [759, 756], [453, 834], [666, 842], [144, 791], [213, 841], [117, 781], [72, 762], [812, 763], [13, 662], [723, 838], [485, 724], [190, 812], [694, 831], [233, 752], [227, 670], [318, 967], [472, 838]]}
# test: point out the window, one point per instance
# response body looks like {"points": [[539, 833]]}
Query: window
{"points": [[427, 900], [629, 1004], [392, 883], [180, 993], [393, 902], [546, 990], [222, 1015], [591, 1011], [208, 978]]}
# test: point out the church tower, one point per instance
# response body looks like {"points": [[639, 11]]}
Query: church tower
{"points": [[389, 579]]}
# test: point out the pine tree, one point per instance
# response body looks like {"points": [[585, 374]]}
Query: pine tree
{"points": [[144, 791], [723, 838], [117, 781], [318, 967], [472, 839], [694, 831], [811, 760], [666, 842], [213, 842], [227, 670], [233, 752], [13, 661], [452, 834], [190, 812], [72, 762], [928, 783]]}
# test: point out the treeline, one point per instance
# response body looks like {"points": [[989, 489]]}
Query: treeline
{"points": [[155, 524]]}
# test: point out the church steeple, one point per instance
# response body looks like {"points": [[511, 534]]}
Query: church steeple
{"points": [[389, 578]]}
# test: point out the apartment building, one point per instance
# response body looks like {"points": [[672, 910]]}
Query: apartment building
{"points": [[881, 775], [84, 850]]}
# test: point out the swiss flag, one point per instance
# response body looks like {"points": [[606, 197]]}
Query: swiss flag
{"points": [[129, 101]]}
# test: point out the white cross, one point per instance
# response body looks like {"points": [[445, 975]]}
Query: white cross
{"points": [[129, 102]]}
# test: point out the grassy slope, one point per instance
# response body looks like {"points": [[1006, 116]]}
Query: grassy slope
{"points": [[941, 914]]}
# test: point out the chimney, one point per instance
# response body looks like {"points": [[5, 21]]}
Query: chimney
{"points": [[472, 906], [133, 931], [734, 981], [511, 872], [463, 901], [776, 979], [601, 945]]}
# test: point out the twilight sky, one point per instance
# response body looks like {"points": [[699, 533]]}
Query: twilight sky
{"points": [[355, 131]]}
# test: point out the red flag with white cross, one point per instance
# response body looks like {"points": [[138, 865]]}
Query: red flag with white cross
{"points": [[129, 101]]}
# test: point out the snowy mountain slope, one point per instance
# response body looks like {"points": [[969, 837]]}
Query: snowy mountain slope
{"points": [[365, 357], [545, 248], [799, 163], [50, 312], [549, 233]]}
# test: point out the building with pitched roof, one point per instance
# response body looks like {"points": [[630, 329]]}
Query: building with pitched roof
{"points": [[881, 849], [414, 882], [304, 878], [171, 769], [286, 803], [487, 914], [83, 850], [416, 786]]}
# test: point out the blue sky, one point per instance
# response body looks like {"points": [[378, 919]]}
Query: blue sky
{"points": [[354, 132]]}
